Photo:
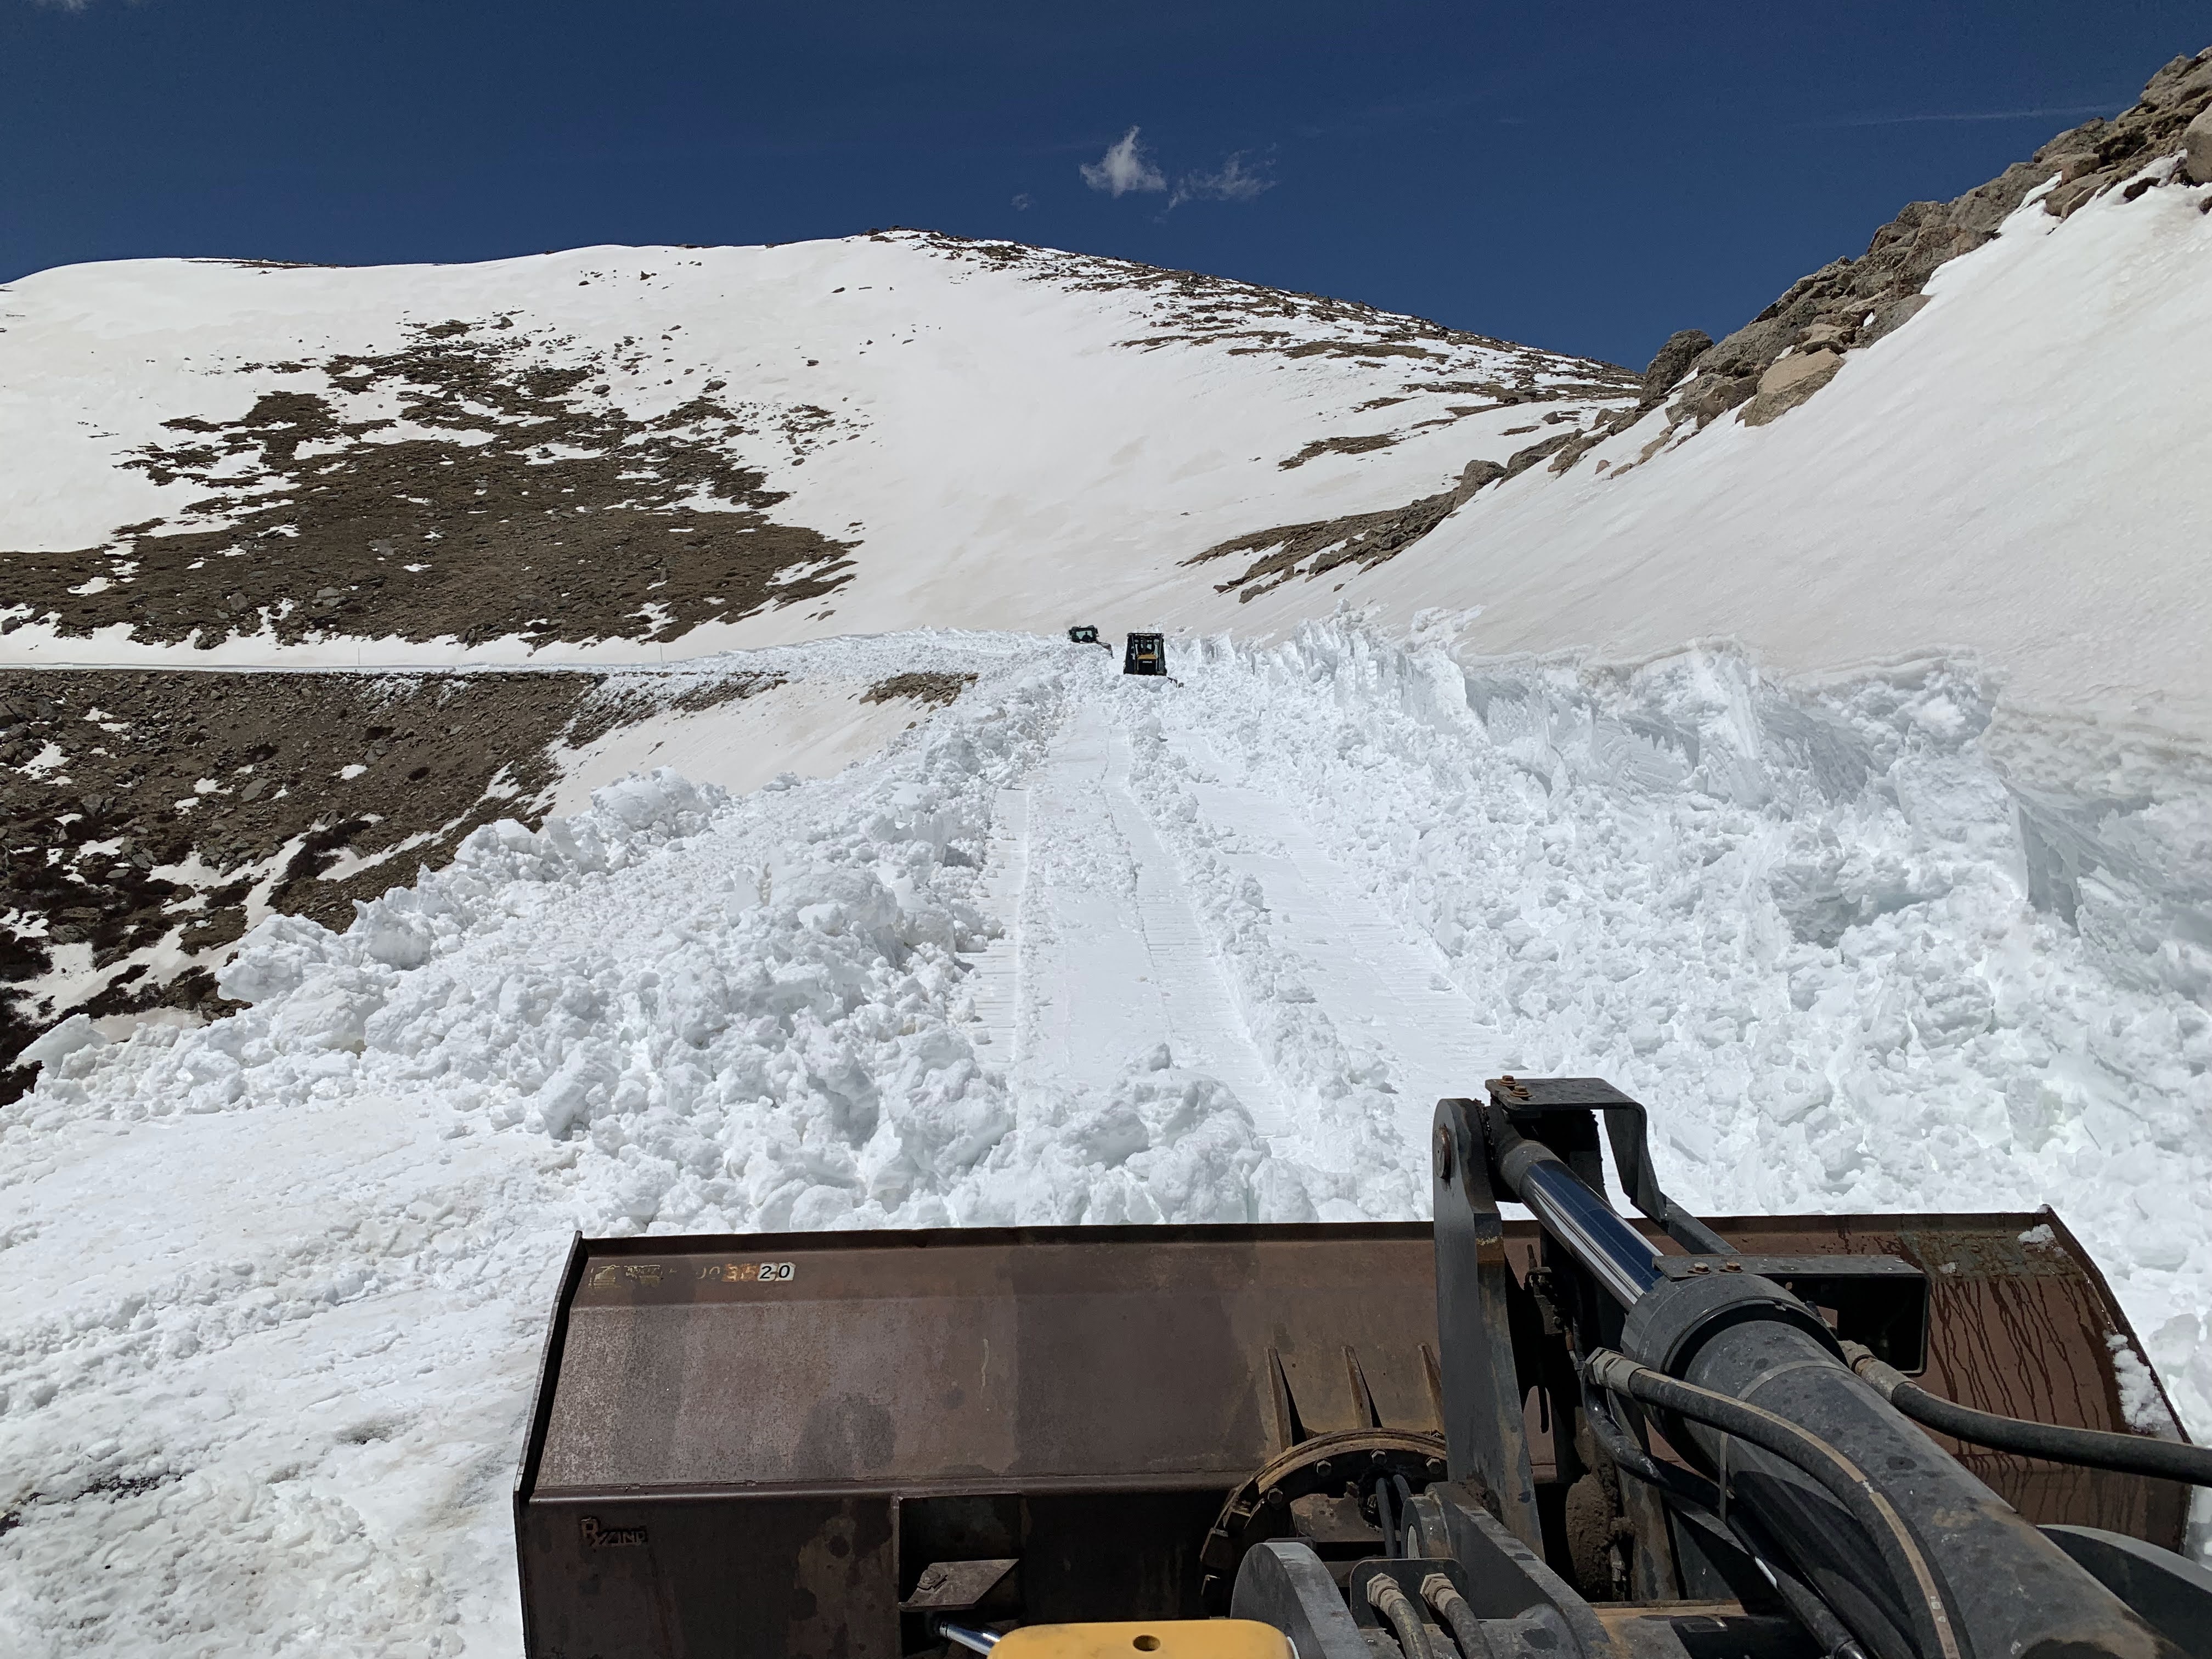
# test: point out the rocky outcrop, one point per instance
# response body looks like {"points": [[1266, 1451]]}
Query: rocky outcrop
{"points": [[2196, 149], [1782, 358], [1789, 381], [1683, 348], [1795, 347], [1360, 539]]}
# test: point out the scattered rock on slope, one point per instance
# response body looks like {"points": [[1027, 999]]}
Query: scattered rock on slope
{"points": [[526, 506]]}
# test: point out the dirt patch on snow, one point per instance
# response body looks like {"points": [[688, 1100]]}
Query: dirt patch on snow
{"points": [[1320, 446], [505, 497], [1359, 539], [147, 819], [935, 690], [1286, 552]]}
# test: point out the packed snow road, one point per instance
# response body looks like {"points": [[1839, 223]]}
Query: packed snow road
{"points": [[1077, 949]]}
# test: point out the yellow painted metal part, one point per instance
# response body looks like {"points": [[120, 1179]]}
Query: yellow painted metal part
{"points": [[1165, 1638]]}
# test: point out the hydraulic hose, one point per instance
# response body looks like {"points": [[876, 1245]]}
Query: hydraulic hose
{"points": [[1458, 1617], [1398, 1611], [1683, 1485], [2130, 1454], [1382, 1514], [1900, 1552], [1803, 1601]]}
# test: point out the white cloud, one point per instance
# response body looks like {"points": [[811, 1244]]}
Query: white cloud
{"points": [[1123, 167], [1231, 182], [1023, 202]]}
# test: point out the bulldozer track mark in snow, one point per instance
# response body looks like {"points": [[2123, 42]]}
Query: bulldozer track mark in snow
{"points": [[1113, 961], [1382, 987], [998, 993]]}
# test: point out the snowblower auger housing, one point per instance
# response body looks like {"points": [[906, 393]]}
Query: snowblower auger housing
{"points": [[1386, 1441]]}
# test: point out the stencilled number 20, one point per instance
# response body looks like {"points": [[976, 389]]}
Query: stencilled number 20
{"points": [[750, 1273]]}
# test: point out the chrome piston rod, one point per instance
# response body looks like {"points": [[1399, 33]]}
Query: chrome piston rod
{"points": [[1618, 1256]]}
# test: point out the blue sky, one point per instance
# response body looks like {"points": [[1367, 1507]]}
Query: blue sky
{"points": [[1587, 177]]}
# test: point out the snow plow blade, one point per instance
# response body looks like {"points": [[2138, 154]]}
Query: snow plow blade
{"points": [[838, 1444]]}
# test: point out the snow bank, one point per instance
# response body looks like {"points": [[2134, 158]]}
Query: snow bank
{"points": [[1858, 947]]}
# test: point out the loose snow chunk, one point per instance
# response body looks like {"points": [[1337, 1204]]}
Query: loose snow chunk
{"points": [[74, 1033], [2140, 1403], [278, 956]]}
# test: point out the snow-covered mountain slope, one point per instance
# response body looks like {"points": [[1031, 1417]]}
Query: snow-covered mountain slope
{"points": [[2023, 470], [1076, 948], [573, 455], [619, 446], [930, 927]]}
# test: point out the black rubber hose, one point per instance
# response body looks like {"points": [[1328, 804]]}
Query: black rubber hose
{"points": [[2094, 1449], [1383, 1515], [1442, 1594], [1685, 1486], [1398, 1611], [1803, 1601], [1845, 1482]]}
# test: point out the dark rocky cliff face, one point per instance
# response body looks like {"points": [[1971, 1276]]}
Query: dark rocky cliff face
{"points": [[1793, 348], [1786, 353]]}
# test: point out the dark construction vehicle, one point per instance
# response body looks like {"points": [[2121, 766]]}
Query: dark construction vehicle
{"points": [[1570, 1436], [1144, 653]]}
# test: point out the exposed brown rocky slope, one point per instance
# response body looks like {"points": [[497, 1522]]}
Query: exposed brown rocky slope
{"points": [[148, 818], [1794, 348], [529, 509], [1786, 353]]}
